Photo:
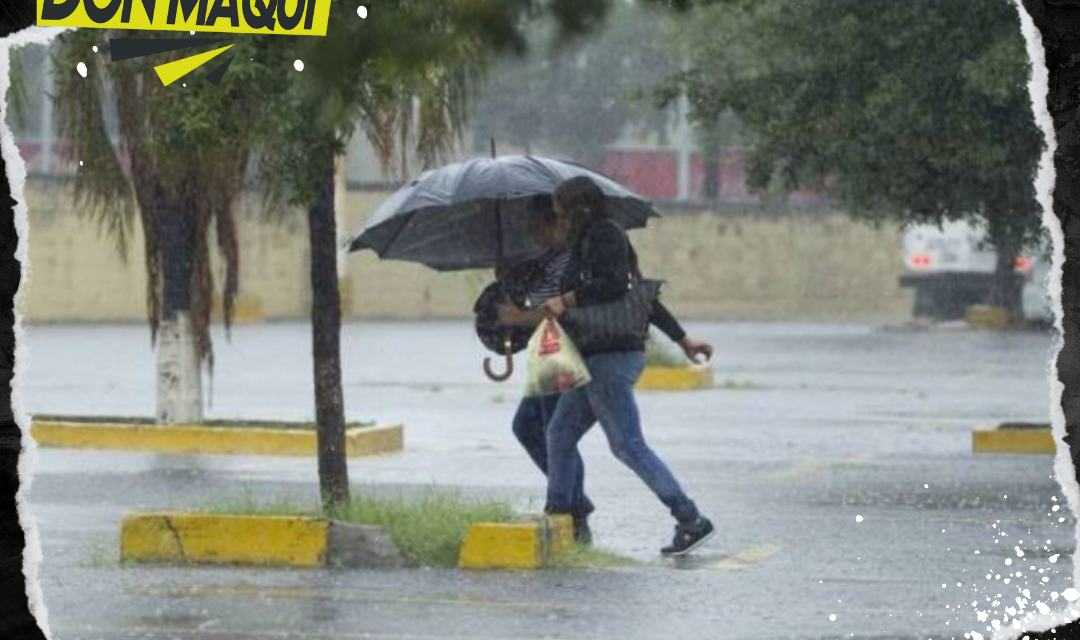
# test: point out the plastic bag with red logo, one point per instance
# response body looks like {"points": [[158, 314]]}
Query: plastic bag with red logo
{"points": [[555, 365]]}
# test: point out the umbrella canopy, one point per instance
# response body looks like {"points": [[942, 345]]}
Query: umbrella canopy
{"points": [[478, 214]]}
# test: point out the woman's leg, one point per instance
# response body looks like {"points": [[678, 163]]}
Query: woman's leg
{"points": [[611, 395]]}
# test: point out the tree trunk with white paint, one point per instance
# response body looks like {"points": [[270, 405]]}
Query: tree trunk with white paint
{"points": [[179, 373], [179, 383]]}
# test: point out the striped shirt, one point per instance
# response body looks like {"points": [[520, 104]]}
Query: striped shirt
{"points": [[550, 283]]}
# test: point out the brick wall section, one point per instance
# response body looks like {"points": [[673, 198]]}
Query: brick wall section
{"points": [[732, 265]]}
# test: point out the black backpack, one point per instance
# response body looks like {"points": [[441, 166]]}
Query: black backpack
{"points": [[511, 287]]}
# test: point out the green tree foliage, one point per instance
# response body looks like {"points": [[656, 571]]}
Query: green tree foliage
{"points": [[186, 148], [914, 110]]}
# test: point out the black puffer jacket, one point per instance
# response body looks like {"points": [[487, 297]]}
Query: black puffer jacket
{"points": [[599, 264]]}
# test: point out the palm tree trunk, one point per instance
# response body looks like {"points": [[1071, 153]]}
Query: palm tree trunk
{"points": [[179, 388], [326, 344]]}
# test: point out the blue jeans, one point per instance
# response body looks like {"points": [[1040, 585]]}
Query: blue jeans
{"points": [[530, 428], [609, 398]]}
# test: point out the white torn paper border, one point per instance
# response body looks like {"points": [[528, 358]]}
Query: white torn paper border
{"points": [[16, 177], [1064, 471], [1038, 87]]}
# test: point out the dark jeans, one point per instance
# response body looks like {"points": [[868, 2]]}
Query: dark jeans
{"points": [[530, 428], [609, 398]]}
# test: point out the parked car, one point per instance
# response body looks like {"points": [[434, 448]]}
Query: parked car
{"points": [[951, 267]]}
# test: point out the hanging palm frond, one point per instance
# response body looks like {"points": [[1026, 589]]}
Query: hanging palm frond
{"points": [[175, 148]]}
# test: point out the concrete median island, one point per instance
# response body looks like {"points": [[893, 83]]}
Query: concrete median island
{"points": [[527, 542], [264, 540], [1014, 438], [423, 530], [682, 378], [438, 528], [240, 437]]}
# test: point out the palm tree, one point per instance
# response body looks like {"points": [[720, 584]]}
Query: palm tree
{"points": [[176, 160], [409, 98]]}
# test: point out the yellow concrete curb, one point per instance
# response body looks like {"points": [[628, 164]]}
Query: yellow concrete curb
{"points": [[987, 317], [531, 543], [359, 441], [284, 541], [676, 378], [345, 296], [225, 539], [1013, 440]]}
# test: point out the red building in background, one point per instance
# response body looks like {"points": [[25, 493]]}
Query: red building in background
{"points": [[654, 173], [650, 171]]}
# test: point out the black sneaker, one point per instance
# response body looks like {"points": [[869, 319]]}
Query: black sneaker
{"points": [[582, 533], [689, 537]]}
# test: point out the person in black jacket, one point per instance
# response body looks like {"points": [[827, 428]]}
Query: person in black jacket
{"points": [[601, 261], [545, 278]]}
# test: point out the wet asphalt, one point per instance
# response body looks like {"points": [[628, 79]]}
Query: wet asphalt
{"points": [[809, 429]]}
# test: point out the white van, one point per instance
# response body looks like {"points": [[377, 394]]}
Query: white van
{"points": [[951, 267]]}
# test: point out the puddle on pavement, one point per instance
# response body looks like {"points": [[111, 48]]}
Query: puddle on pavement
{"points": [[726, 562]]}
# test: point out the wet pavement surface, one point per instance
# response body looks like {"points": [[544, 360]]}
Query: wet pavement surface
{"points": [[810, 427]]}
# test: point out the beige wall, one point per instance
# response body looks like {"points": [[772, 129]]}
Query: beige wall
{"points": [[723, 266]]}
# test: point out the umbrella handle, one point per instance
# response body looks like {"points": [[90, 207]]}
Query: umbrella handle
{"points": [[499, 377]]}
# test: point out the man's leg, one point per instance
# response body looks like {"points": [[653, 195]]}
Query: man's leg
{"points": [[571, 419], [584, 505], [530, 427]]}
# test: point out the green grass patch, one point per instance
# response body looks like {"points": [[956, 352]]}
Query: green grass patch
{"points": [[428, 529], [248, 504], [589, 557]]}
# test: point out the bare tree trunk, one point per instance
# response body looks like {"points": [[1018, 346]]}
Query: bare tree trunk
{"points": [[1007, 288], [711, 167], [710, 143], [326, 345], [179, 376]]}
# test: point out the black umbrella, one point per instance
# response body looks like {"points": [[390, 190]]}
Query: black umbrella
{"points": [[478, 213]]}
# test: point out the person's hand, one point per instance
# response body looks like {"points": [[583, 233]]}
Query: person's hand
{"points": [[556, 306], [508, 313], [693, 348]]}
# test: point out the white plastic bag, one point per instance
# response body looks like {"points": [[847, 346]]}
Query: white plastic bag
{"points": [[555, 365]]}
